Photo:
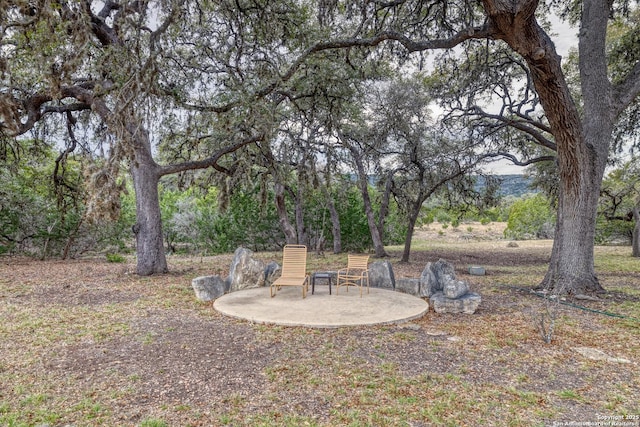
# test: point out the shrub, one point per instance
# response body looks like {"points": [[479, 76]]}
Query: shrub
{"points": [[613, 231], [117, 258], [443, 217], [530, 217]]}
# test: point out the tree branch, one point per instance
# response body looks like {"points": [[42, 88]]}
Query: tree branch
{"points": [[522, 125], [625, 92], [65, 108], [518, 162], [210, 161], [479, 32]]}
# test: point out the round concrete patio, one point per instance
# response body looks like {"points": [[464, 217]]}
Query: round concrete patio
{"points": [[321, 310]]}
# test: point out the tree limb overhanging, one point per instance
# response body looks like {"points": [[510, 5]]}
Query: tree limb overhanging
{"points": [[211, 161]]}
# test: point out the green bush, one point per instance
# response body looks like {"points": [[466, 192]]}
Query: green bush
{"points": [[608, 231], [443, 217], [116, 258], [530, 217], [428, 217]]}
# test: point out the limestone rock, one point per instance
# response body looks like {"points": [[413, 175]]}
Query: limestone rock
{"points": [[208, 288], [246, 272], [467, 304], [453, 288], [428, 282], [381, 275], [434, 276], [444, 271], [409, 286], [597, 354], [476, 270]]}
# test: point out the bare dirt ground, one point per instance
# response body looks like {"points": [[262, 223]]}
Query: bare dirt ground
{"points": [[88, 342]]}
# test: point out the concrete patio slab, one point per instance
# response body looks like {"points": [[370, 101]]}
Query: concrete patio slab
{"points": [[321, 310]]}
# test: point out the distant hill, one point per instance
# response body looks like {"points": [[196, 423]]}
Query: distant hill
{"points": [[515, 185], [511, 185]]}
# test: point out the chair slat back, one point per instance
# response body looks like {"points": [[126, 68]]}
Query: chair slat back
{"points": [[294, 261], [358, 262]]}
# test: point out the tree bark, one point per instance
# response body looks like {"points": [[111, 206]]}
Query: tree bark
{"points": [[411, 225], [571, 267], [582, 161], [384, 204], [289, 230], [148, 227], [582, 151]]}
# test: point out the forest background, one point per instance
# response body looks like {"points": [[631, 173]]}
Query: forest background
{"points": [[218, 115]]}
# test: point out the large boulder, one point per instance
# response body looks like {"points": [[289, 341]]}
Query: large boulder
{"points": [[467, 304], [208, 288], [246, 272], [381, 275], [446, 293], [434, 276]]}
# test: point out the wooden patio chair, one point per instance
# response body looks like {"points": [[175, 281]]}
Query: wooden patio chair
{"points": [[355, 274], [294, 270]]}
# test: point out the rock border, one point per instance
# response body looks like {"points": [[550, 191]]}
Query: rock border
{"points": [[437, 282]]}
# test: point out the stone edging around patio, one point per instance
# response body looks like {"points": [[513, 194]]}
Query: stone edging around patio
{"points": [[437, 282]]}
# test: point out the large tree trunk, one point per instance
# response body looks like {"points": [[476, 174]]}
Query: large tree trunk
{"points": [[582, 150], [378, 245], [582, 156], [148, 227], [289, 230], [384, 204], [411, 225], [571, 268]]}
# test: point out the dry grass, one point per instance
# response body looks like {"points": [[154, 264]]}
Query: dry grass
{"points": [[87, 343]]}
